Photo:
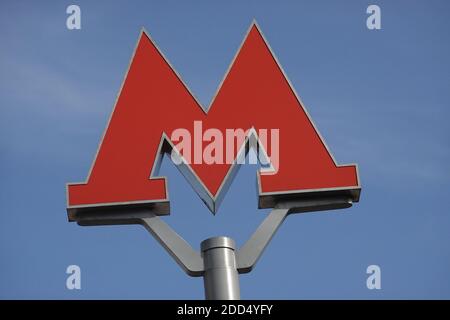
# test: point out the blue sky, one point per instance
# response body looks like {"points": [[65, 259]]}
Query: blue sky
{"points": [[379, 98]]}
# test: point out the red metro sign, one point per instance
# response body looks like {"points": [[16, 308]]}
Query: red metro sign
{"points": [[254, 94]]}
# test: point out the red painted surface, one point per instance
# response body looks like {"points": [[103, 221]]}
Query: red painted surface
{"points": [[154, 100]]}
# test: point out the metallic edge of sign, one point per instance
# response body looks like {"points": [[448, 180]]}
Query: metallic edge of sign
{"points": [[162, 206]]}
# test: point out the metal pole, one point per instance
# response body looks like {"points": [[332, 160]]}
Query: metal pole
{"points": [[219, 263], [221, 278]]}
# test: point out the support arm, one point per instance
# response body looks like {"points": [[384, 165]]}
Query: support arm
{"points": [[186, 257], [249, 254]]}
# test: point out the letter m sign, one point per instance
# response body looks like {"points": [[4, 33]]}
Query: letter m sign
{"points": [[254, 94]]}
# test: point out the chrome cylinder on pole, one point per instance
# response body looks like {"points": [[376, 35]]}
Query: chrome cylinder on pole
{"points": [[221, 278]]}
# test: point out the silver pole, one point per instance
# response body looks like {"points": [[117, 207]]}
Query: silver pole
{"points": [[219, 263], [221, 278]]}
